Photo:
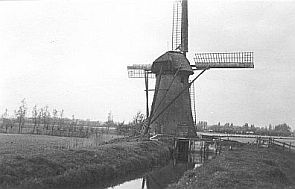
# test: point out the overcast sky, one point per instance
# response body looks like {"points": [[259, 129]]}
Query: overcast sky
{"points": [[72, 55]]}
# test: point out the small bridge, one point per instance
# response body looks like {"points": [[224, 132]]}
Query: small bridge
{"points": [[278, 141], [222, 135]]}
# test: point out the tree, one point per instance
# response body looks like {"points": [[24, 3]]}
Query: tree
{"points": [[21, 114], [252, 128], [73, 125], [54, 121], [245, 127], [110, 117], [35, 117], [110, 122], [283, 129], [42, 117], [47, 117], [5, 120], [60, 120], [121, 128], [270, 127], [137, 123], [39, 119], [201, 125]]}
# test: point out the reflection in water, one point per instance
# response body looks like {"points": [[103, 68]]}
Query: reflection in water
{"points": [[159, 178], [172, 172], [133, 184]]}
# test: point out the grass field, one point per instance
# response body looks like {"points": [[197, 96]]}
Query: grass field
{"points": [[38, 161], [27, 144], [245, 166]]}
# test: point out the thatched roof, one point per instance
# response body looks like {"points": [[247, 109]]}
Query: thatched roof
{"points": [[171, 61]]}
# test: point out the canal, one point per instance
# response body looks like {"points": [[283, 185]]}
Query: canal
{"points": [[160, 177]]}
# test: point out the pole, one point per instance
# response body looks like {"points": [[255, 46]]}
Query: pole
{"points": [[146, 92], [146, 129]]}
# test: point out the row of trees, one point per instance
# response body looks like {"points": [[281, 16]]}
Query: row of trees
{"points": [[277, 130], [44, 121], [19, 114], [39, 116]]}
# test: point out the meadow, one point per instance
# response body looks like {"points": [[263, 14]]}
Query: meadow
{"points": [[24, 144], [40, 161]]}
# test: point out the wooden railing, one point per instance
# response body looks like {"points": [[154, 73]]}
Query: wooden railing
{"points": [[284, 145]]}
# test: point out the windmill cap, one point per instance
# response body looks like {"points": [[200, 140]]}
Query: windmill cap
{"points": [[172, 61]]}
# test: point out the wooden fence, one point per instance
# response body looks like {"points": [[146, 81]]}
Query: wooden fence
{"points": [[284, 145]]}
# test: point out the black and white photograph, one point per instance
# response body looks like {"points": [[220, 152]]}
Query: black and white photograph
{"points": [[147, 94]]}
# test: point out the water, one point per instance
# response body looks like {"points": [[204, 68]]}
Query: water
{"points": [[161, 177]]}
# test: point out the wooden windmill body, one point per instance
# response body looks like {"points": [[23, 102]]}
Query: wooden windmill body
{"points": [[171, 112], [172, 71]]}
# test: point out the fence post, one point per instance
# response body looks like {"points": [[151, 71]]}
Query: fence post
{"points": [[290, 147], [256, 141]]}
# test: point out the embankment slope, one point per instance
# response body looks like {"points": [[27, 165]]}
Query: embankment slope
{"points": [[245, 166], [74, 168]]}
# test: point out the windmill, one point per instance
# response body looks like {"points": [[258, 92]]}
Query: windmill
{"points": [[171, 112]]}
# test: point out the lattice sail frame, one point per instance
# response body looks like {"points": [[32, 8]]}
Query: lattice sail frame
{"points": [[180, 26], [176, 25], [139, 71], [224, 60]]}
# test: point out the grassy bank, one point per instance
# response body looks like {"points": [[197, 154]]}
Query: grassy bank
{"points": [[245, 166], [60, 168]]}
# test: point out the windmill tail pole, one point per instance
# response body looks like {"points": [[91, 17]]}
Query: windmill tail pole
{"points": [[173, 100], [146, 128], [146, 81]]}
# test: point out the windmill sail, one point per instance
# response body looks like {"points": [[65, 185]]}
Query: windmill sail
{"points": [[180, 26], [139, 71], [193, 102], [184, 27], [224, 60]]}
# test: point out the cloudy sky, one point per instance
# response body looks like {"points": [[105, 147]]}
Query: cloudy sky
{"points": [[72, 55]]}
